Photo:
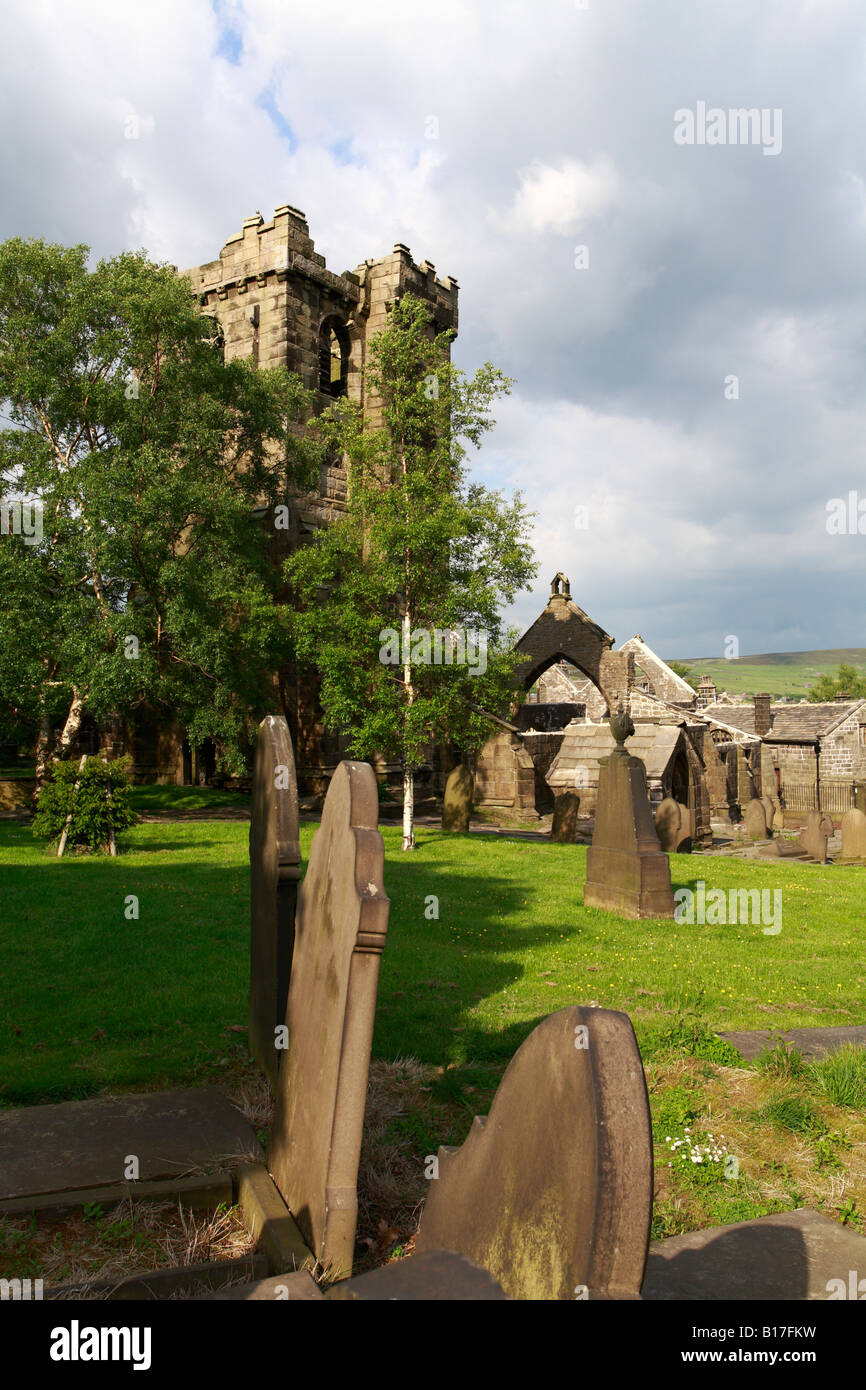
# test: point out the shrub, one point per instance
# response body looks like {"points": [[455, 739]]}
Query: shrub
{"points": [[841, 1076], [94, 814]]}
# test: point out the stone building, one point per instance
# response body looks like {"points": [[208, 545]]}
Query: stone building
{"points": [[275, 302]]}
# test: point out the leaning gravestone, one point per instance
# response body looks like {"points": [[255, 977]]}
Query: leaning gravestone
{"points": [[854, 835], [552, 1193], [769, 806], [340, 928], [755, 820], [626, 869], [275, 868], [815, 834], [457, 804], [565, 826]]}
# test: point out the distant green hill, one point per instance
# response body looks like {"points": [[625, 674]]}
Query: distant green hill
{"points": [[780, 673]]}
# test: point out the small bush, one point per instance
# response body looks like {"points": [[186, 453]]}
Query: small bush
{"points": [[94, 815], [841, 1076]]}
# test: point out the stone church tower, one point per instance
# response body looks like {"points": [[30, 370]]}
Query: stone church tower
{"points": [[276, 303]]}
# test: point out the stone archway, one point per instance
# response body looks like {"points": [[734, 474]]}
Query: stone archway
{"points": [[564, 632]]}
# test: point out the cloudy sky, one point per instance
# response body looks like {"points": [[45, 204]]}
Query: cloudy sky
{"points": [[693, 378]]}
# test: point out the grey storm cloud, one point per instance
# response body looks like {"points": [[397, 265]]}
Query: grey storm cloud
{"points": [[497, 142]]}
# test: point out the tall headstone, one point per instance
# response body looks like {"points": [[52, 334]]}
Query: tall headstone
{"points": [[565, 826], [626, 870], [340, 929], [552, 1193], [755, 820], [275, 868], [815, 834], [457, 802], [769, 805], [854, 834]]}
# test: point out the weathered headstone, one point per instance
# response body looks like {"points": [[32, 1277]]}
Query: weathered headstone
{"points": [[755, 820], [552, 1193], [275, 868], [815, 834], [673, 825], [626, 870], [457, 802], [769, 805], [566, 824], [854, 834], [340, 928]]}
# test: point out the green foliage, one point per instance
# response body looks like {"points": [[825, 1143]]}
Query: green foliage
{"points": [[845, 682], [684, 672], [99, 805], [690, 1036], [841, 1076], [791, 1110], [782, 1060], [149, 455], [421, 549]]}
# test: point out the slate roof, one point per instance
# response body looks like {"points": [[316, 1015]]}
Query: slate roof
{"points": [[584, 744], [789, 723]]}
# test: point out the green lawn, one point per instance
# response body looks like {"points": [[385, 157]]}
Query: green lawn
{"points": [[149, 797], [89, 998]]}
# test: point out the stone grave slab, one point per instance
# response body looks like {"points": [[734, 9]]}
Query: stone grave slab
{"points": [[626, 870], [457, 802], [792, 1255], [437, 1275], [340, 928], [275, 868], [84, 1144], [814, 836], [755, 820], [553, 1190], [565, 826], [812, 1042], [854, 835]]}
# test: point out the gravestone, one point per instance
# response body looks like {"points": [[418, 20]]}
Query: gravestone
{"points": [[755, 820], [815, 834], [626, 869], [340, 928], [457, 803], [275, 868], [565, 827], [673, 826], [769, 806], [552, 1193], [854, 835]]}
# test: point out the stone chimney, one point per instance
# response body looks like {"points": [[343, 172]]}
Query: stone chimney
{"points": [[763, 718]]}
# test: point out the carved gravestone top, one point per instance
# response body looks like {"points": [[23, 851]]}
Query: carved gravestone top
{"points": [[275, 868], [457, 803], [854, 834], [552, 1193], [340, 928], [755, 820], [815, 834]]}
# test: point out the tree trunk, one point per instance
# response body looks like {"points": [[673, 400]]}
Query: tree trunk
{"points": [[408, 773], [71, 727], [42, 754]]}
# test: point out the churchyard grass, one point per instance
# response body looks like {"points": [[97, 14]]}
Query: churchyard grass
{"points": [[92, 999]]}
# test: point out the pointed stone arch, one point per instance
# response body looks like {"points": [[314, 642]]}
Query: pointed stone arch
{"points": [[564, 632]]}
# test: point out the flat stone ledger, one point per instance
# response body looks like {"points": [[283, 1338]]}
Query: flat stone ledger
{"points": [[46, 1149], [340, 929], [553, 1191], [627, 871], [275, 868]]}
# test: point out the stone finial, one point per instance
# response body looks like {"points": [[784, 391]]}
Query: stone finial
{"points": [[621, 725]]}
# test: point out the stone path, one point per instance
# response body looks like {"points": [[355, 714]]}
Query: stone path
{"points": [[811, 1042]]}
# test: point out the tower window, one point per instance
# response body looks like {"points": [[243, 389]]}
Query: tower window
{"points": [[333, 358]]}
